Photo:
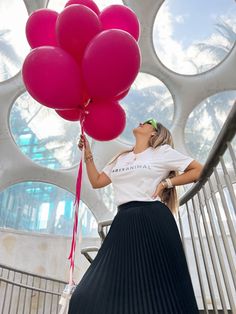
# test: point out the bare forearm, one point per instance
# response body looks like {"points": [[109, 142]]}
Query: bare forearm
{"points": [[186, 177], [91, 169]]}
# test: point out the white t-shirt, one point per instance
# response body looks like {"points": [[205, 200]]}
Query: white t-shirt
{"points": [[135, 176]]}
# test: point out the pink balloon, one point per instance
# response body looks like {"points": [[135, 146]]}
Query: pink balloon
{"points": [[76, 26], [110, 64], [122, 95], [105, 120], [70, 114], [40, 28], [120, 17], [88, 3], [53, 78]]}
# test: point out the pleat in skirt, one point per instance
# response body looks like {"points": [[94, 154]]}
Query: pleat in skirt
{"points": [[140, 267]]}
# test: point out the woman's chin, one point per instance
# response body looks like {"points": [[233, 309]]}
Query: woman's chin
{"points": [[137, 130]]}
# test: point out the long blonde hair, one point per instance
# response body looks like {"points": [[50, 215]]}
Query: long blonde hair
{"points": [[162, 136]]}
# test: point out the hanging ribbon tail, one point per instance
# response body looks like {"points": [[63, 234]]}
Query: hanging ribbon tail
{"points": [[78, 184], [76, 209], [76, 219], [64, 301]]}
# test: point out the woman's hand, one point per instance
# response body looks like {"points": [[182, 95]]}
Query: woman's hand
{"points": [[158, 192], [84, 142]]}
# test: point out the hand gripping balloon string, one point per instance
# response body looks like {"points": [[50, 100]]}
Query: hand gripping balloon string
{"points": [[76, 202], [83, 114]]}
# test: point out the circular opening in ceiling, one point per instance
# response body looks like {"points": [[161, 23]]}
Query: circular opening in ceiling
{"points": [[193, 36], [205, 122], [42, 135], [43, 208], [148, 97]]}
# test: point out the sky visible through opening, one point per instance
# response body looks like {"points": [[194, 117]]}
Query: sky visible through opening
{"points": [[179, 26], [187, 37]]}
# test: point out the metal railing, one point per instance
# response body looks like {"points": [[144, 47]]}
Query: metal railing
{"points": [[207, 224], [23, 292], [208, 211], [103, 228]]}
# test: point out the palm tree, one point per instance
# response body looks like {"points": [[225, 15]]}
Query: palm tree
{"points": [[24, 112], [219, 51], [217, 105]]}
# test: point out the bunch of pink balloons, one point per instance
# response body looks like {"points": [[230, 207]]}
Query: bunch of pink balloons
{"points": [[83, 60]]}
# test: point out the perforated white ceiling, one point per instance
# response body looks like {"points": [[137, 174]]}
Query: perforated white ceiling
{"points": [[187, 92]]}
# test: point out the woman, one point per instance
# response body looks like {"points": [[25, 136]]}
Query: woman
{"points": [[140, 267]]}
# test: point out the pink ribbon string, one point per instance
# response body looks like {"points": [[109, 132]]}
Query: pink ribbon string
{"points": [[76, 206]]}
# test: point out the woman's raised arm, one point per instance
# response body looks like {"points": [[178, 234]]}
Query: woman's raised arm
{"points": [[97, 180]]}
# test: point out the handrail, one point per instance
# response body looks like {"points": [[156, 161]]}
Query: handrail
{"points": [[28, 287], [25, 292], [85, 251], [101, 226], [208, 223], [31, 274], [221, 144]]}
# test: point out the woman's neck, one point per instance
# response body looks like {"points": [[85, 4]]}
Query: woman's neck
{"points": [[139, 147]]}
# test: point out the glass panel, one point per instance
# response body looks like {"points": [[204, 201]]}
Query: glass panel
{"points": [[58, 5], [44, 208], [205, 123], [148, 97], [43, 135], [13, 44], [193, 36]]}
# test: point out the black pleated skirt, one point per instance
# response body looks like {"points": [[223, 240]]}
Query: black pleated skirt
{"points": [[140, 267]]}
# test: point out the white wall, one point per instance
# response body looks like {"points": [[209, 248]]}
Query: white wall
{"points": [[44, 255]]}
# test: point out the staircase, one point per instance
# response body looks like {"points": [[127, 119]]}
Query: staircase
{"points": [[207, 225], [23, 292]]}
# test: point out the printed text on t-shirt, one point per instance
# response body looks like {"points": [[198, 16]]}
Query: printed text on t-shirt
{"points": [[131, 168]]}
